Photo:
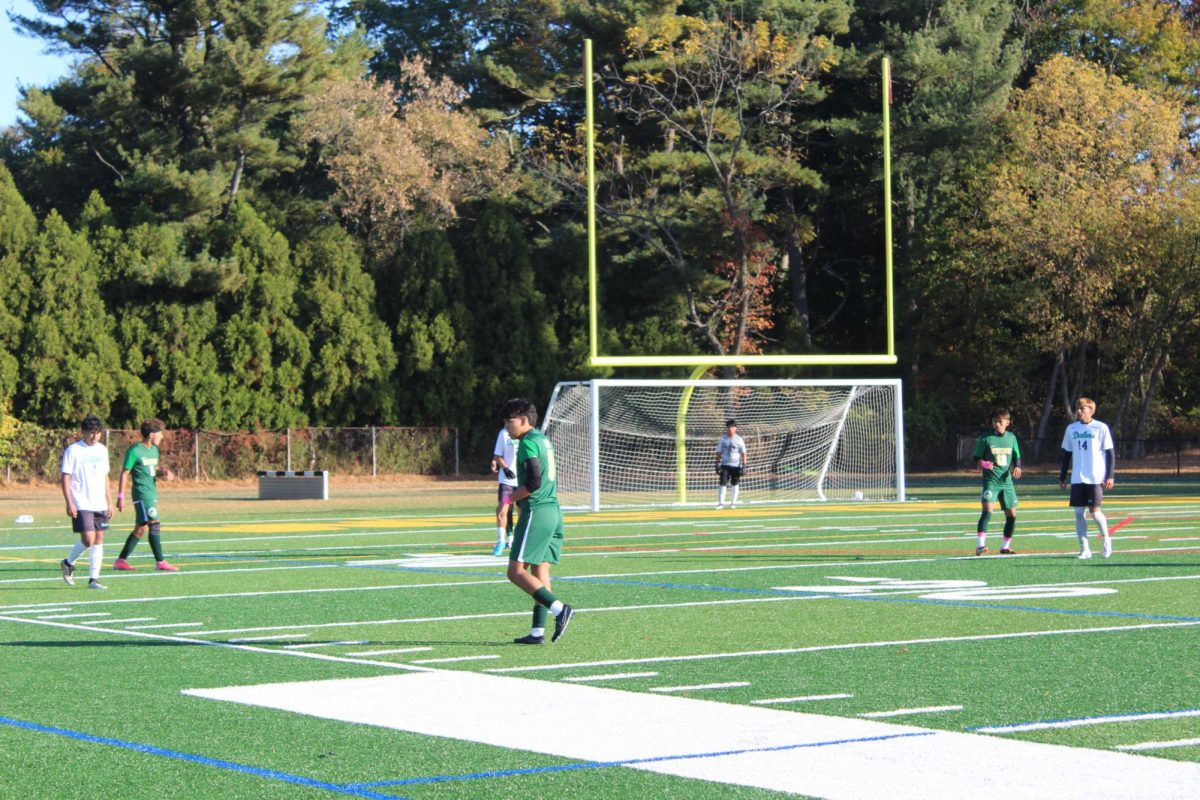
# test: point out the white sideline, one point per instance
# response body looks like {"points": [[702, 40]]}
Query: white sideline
{"points": [[819, 756]]}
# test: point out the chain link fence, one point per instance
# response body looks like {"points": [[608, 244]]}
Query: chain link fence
{"points": [[213, 455], [1171, 455]]}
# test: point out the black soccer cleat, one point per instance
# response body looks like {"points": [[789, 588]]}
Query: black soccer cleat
{"points": [[561, 622], [68, 572], [1007, 551], [530, 639]]}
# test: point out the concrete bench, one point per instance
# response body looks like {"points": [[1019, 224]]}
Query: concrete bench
{"points": [[292, 485]]}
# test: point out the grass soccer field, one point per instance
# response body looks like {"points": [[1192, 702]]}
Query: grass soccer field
{"points": [[362, 647]]}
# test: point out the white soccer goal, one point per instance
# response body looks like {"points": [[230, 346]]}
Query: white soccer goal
{"points": [[647, 442]]}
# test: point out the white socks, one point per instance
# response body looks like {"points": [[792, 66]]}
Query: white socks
{"points": [[556, 607], [76, 552], [721, 497], [95, 556], [735, 493], [499, 534], [1081, 525], [981, 540]]}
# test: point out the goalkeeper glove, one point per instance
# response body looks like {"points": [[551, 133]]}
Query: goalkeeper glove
{"points": [[508, 473], [718, 469]]}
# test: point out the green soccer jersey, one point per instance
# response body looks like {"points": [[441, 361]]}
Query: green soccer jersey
{"points": [[534, 444], [142, 462], [1002, 450]]}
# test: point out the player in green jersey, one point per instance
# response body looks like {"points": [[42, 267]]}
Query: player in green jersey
{"points": [[998, 457], [141, 469], [537, 540]]}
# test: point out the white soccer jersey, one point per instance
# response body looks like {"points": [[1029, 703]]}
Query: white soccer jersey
{"points": [[1087, 444], [88, 468], [506, 448], [732, 450]]}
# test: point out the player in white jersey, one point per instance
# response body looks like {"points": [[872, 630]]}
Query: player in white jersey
{"points": [[504, 462], [85, 487], [1088, 451], [731, 460]]}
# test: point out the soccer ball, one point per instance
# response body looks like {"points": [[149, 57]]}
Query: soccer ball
{"points": [[856, 496]]}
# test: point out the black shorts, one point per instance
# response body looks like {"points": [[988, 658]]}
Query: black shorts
{"points": [[1087, 495], [89, 521], [730, 476]]}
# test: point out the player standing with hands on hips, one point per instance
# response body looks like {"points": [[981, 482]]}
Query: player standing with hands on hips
{"points": [[999, 459], [1088, 451], [538, 537], [85, 487], [731, 460]]}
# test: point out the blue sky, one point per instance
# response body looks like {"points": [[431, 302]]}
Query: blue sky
{"points": [[22, 61]]}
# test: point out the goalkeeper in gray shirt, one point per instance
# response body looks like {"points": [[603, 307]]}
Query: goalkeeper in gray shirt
{"points": [[731, 460]]}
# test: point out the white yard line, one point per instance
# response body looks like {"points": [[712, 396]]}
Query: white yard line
{"points": [[611, 676], [165, 625], [699, 687], [1160, 745], [246, 648], [904, 712], [847, 646], [391, 652], [118, 621], [838, 758], [76, 616], [453, 660], [36, 610], [249, 639], [805, 699], [1076, 723], [457, 617], [308, 645]]}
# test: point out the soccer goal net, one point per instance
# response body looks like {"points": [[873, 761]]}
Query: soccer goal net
{"points": [[637, 443]]}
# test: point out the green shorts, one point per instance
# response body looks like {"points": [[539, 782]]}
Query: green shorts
{"points": [[538, 537], [1003, 493], [145, 511]]}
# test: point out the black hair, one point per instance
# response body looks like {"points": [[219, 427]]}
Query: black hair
{"points": [[91, 423], [519, 407], [152, 425], [731, 423]]}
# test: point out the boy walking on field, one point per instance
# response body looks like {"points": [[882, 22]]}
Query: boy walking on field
{"points": [[538, 538], [998, 457], [141, 468], [85, 487], [1088, 450]]}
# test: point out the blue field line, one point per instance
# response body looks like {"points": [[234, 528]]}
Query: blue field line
{"points": [[257, 772], [632, 762], [1181, 712]]}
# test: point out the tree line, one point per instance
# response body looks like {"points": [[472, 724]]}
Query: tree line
{"points": [[247, 216]]}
